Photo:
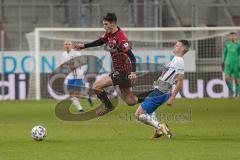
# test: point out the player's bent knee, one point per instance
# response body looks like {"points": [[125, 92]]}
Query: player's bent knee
{"points": [[131, 101], [97, 88]]}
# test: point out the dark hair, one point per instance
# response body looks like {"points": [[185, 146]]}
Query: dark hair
{"points": [[110, 17], [232, 33], [185, 43]]}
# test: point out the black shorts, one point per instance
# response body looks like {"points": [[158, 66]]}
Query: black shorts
{"points": [[121, 79]]}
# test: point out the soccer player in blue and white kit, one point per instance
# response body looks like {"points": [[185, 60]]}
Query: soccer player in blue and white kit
{"points": [[74, 80], [173, 74]]}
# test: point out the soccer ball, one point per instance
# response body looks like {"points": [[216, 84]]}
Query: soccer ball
{"points": [[38, 133]]}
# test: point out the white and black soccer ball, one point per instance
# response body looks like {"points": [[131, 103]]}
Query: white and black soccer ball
{"points": [[38, 133]]}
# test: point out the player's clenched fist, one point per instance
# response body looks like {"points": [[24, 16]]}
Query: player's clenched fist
{"points": [[133, 77], [79, 46]]}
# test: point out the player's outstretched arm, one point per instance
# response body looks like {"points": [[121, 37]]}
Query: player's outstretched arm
{"points": [[179, 79], [96, 43]]}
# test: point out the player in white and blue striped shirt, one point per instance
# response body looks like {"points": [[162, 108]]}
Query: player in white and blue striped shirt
{"points": [[173, 74], [74, 80]]}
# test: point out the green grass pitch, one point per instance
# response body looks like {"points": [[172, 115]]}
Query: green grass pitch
{"points": [[202, 129]]}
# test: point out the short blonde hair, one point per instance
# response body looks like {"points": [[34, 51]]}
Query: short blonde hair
{"points": [[68, 42]]}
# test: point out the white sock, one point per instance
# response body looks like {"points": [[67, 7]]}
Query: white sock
{"points": [[76, 103], [153, 115], [149, 120]]}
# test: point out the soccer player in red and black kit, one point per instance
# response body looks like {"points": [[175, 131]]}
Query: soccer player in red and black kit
{"points": [[124, 63]]}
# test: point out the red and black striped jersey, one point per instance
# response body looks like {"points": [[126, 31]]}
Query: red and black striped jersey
{"points": [[118, 46]]}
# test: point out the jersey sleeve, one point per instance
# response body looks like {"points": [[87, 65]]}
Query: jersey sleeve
{"points": [[180, 68], [123, 43], [125, 46]]}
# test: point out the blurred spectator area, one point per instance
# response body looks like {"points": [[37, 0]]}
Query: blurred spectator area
{"points": [[19, 17]]}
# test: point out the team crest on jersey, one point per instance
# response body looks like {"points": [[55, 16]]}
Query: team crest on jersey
{"points": [[111, 45]]}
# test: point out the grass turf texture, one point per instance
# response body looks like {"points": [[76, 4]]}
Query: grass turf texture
{"points": [[208, 129]]}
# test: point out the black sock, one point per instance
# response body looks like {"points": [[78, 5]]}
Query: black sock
{"points": [[143, 95], [104, 98], [90, 101]]}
